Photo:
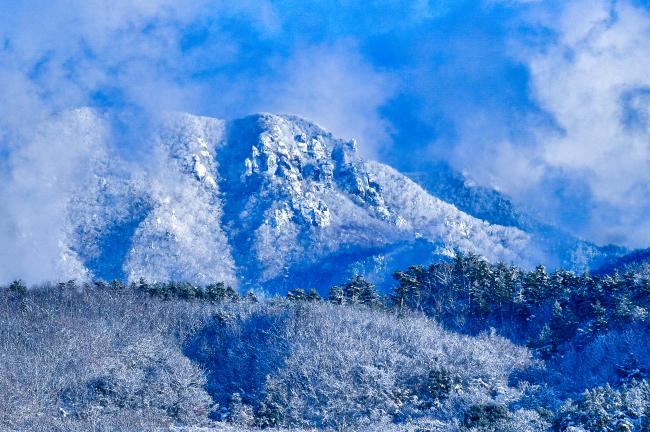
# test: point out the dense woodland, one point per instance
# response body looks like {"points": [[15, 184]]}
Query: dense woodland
{"points": [[462, 345]]}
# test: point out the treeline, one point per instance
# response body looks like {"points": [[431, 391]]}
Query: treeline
{"points": [[547, 312], [118, 357], [347, 358]]}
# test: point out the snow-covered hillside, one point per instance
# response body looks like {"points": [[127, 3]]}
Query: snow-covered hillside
{"points": [[561, 248], [266, 201]]}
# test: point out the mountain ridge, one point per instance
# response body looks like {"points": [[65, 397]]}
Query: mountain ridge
{"points": [[261, 200]]}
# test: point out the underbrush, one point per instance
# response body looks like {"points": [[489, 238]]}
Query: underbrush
{"points": [[109, 357], [115, 358]]}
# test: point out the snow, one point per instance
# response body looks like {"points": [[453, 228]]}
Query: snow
{"points": [[259, 200]]}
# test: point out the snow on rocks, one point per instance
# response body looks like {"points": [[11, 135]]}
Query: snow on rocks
{"points": [[257, 198]]}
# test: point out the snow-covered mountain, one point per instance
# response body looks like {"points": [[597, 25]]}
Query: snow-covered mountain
{"points": [[562, 248], [637, 261], [266, 201]]}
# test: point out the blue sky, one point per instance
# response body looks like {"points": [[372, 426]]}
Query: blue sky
{"points": [[548, 101]]}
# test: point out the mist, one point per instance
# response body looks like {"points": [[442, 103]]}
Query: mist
{"points": [[546, 101]]}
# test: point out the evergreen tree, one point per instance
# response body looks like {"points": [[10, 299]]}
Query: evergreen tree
{"points": [[18, 288], [641, 295], [480, 285], [142, 286], [503, 289], [546, 343], [624, 311], [296, 294], [336, 295], [560, 329], [439, 383], [369, 296], [116, 285], [231, 294], [352, 290], [536, 285], [401, 293], [630, 370], [240, 413], [272, 411], [184, 290], [416, 277], [313, 296], [215, 293], [100, 285], [599, 323]]}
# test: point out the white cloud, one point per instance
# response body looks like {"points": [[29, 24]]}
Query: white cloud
{"points": [[601, 56], [592, 79], [56, 56], [45, 170], [334, 86]]}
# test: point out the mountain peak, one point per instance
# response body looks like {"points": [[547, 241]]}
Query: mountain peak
{"points": [[262, 199]]}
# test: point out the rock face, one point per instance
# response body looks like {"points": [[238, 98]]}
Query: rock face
{"points": [[269, 201]]}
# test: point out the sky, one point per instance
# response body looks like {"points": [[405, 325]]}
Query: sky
{"points": [[546, 101]]}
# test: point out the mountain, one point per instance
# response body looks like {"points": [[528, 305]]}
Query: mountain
{"points": [[563, 249], [442, 181], [637, 261], [266, 201]]}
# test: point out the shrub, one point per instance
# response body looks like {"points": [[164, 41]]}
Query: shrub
{"points": [[18, 288], [485, 416], [326, 366]]}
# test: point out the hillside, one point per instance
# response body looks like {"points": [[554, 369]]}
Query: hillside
{"points": [[264, 199], [463, 346]]}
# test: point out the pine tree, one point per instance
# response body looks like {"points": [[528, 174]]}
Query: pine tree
{"points": [[630, 370], [439, 383], [585, 292], [624, 310], [480, 287], [142, 286], [184, 290], [313, 296], [353, 289], [231, 294], [416, 274], [459, 281], [296, 294], [400, 296], [272, 412], [100, 285], [18, 288], [642, 293], [369, 296], [240, 413], [536, 285], [503, 288], [546, 343], [600, 323], [215, 293], [251, 297], [336, 295], [560, 329]]}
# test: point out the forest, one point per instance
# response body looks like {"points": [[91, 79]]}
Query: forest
{"points": [[460, 345]]}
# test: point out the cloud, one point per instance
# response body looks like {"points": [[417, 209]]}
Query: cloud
{"points": [[45, 170], [142, 58], [337, 88], [593, 80], [547, 100], [567, 135]]}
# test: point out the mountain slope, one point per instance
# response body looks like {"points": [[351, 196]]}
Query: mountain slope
{"points": [[265, 199], [562, 248], [637, 261]]}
